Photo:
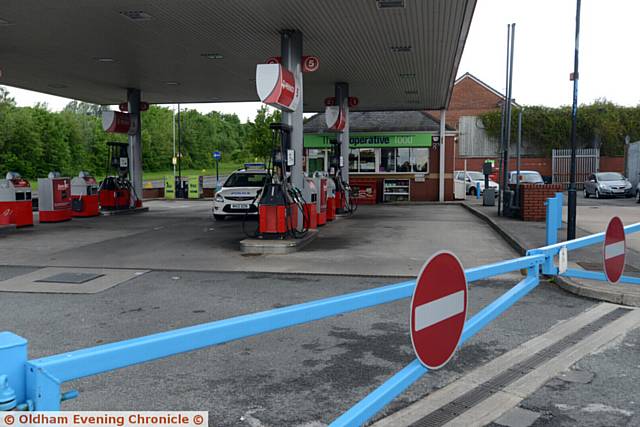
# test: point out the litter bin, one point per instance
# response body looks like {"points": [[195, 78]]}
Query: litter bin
{"points": [[489, 197]]}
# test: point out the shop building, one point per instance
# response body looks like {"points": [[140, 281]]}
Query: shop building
{"points": [[395, 154]]}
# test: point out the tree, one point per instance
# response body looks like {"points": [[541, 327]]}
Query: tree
{"points": [[260, 136]]}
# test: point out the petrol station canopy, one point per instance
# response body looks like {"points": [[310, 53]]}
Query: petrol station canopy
{"points": [[395, 54]]}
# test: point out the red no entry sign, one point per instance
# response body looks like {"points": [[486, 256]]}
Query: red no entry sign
{"points": [[438, 309], [613, 250]]}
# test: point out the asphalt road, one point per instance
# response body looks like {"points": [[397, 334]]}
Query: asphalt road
{"points": [[305, 375]]}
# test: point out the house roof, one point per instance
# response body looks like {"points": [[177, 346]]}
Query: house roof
{"points": [[380, 121], [468, 75]]}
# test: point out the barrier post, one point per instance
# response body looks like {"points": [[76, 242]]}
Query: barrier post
{"points": [[552, 221], [560, 198], [13, 354], [478, 190]]}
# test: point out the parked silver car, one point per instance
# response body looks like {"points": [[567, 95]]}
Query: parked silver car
{"points": [[607, 184]]}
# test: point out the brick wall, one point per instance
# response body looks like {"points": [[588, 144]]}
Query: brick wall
{"points": [[469, 98], [532, 199]]}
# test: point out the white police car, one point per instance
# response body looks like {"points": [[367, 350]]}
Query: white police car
{"points": [[239, 193]]}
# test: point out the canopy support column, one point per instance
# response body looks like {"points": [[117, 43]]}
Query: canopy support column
{"points": [[135, 141], [443, 118], [342, 100]]}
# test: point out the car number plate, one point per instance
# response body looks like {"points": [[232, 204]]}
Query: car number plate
{"points": [[239, 206]]}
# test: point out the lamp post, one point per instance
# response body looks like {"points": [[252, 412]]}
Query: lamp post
{"points": [[571, 214]]}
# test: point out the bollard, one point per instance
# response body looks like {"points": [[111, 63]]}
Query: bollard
{"points": [[560, 198], [551, 221], [478, 191], [13, 354]]}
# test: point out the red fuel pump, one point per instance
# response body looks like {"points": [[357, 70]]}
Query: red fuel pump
{"points": [[116, 191], [54, 198], [344, 202], [15, 201], [280, 202], [84, 196], [321, 185]]}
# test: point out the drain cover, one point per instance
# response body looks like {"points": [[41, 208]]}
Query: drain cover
{"points": [[68, 277]]}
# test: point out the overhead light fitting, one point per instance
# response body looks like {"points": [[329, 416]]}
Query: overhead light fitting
{"points": [[136, 15], [407, 75], [4, 22], [411, 92], [413, 101], [212, 55], [172, 83], [104, 59], [390, 4], [57, 85], [401, 49]]}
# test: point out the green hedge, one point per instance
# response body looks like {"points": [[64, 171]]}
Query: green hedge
{"points": [[601, 124], [35, 141]]}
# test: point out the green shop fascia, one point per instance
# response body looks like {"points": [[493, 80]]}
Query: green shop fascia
{"points": [[375, 152]]}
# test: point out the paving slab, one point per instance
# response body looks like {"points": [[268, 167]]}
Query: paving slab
{"points": [[44, 280]]}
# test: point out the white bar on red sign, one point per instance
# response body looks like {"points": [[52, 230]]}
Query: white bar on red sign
{"points": [[614, 249], [438, 310]]}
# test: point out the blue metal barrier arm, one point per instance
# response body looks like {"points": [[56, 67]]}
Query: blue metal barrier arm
{"points": [[585, 241], [94, 360], [486, 271], [398, 383], [597, 275]]}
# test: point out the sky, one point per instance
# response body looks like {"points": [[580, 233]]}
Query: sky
{"points": [[543, 54]]}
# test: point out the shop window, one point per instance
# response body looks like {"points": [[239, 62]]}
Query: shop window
{"points": [[367, 160], [420, 159], [316, 160], [354, 161], [403, 160], [387, 160]]}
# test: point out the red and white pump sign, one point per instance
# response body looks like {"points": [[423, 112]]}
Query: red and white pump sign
{"points": [[438, 309], [277, 86], [116, 122], [336, 118], [614, 250]]}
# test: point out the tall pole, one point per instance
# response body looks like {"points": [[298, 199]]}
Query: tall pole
{"points": [[571, 216], [507, 127], [179, 153], [518, 158], [174, 143], [503, 166], [443, 124]]}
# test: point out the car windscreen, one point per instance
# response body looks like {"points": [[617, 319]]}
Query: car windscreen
{"points": [[246, 180], [476, 176], [610, 176], [528, 177]]}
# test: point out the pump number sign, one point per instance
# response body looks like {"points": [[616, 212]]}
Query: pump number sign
{"points": [[438, 309]]}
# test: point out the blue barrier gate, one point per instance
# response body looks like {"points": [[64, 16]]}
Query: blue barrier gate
{"points": [[36, 383]]}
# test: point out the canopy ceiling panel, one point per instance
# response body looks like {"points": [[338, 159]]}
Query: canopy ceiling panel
{"points": [[402, 58]]}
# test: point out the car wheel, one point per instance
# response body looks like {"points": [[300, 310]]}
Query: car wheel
{"points": [[219, 217], [637, 196], [597, 194], [586, 194], [472, 191]]}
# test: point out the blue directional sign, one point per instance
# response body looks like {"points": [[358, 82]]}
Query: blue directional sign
{"points": [[217, 155]]}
